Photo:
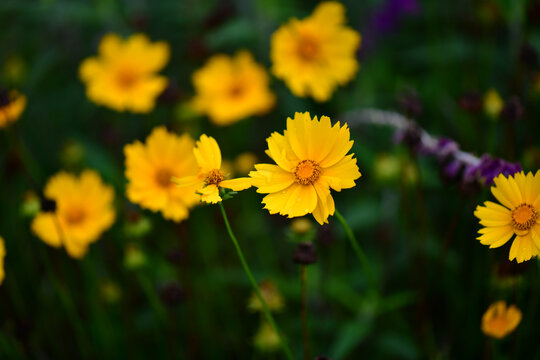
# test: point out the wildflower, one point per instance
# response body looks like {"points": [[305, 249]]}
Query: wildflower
{"points": [[266, 339], [123, 75], [150, 167], [211, 176], [229, 89], [271, 295], [2, 255], [301, 226], [83, 211], [499, 320], [518, 215], [316, 54], [493, 104], [12, 104], [311, 158]]}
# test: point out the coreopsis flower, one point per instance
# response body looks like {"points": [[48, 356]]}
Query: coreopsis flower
{"points": [[493, 103], [499, 320], [210, 177], [83, 211], [229, 89], [150, 167], [12, 104], [123, 75], [2, 255], [311, 158], [517, 214], [316, 54]]}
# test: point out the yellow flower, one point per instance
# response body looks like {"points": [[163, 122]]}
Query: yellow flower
{"points": [[271, 295], [498, 321], [84, 210], [244, 162], [12, 105], [210, 176], [229, 89], [518, 215], [123, 75], [311, 158], [150, 167], [493, 104], [315, 55], [2, 255], [266, 339]]}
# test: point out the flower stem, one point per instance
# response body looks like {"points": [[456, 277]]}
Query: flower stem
{"points": [[368, 272], [266, 311], [305, 332]]}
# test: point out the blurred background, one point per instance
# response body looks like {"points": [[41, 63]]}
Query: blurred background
{"points": [[151, 288]]}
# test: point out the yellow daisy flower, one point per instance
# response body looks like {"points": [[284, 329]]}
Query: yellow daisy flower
{"points": [[316, 54], [150, 167], [311, 158], [499, 320], [123, 75], [2, 256], [518, 215], [12, 105], [84, 210], [229, 89], [210, 176]]}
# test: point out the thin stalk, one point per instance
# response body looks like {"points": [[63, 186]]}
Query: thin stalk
{"points": [[266, 311], [305, 331], [357, 250]]}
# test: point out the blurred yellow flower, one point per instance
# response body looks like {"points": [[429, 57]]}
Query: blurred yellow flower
{"points": [[301, 226], [229, 89], [271, 295], [123, 75], [518, 215], [499, 320], [12, 104], [311, 158], [316, 54], [244, 162], [210, 176], [266, 339], [493, 103], [2, 255], [84, 210], [150, 167]]}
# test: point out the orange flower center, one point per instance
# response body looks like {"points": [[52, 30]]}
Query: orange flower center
{"points": [[163, 178], [126, 78], [75, 216], [236, 91], [308, 48], [307, 172], [524, 217], [214, 177]]}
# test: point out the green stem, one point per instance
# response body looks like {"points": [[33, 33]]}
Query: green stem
{"points": [[358, 250], [266, 311]]}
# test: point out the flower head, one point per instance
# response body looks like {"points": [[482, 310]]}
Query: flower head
{"points": [[84, 210], [517, 214], [229, 89], [210, 177], [2, 255], [311, 158], [316, 54], [150, 167], [493, 103], [271, 295], [12, 104], [123, 75], [499, 320]]}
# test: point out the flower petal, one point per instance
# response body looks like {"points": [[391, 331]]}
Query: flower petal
{"points": [[296, 200], [210, 194], [207, 153], [523, 248], [236, 184], [270, 178]]}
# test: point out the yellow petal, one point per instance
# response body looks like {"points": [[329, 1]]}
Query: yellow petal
{"points": [[45, 226], [210, 194], [496, 236], [207, 153], [497, 216], [296, 200], [237, 184], [270, 178], [342, 175], [523, 248], [279, 149], [187, 181], [507, 191]]}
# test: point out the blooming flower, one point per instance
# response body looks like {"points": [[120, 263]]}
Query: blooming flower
{"points": [[518, 215], [311, 158], [2, 255], [12, 105], [493, 103], [122, 77], [499, 320], [150, 167], [229, 89], [316, 54], [210, 176], [84, 210]]}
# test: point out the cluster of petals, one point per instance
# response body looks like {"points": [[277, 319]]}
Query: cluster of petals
{"points": [[500, 320]]}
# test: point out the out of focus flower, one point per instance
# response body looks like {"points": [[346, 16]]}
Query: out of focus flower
{"points": [[72, 154], [2, 256], [301, 226], [311, 158], [134, 257], [518, 215], [110, 291], [489, 168], [316, 54], [210, 177], [245, 162], [123, 75], [513, 109], [30, 205], [14, 70], [386, 167], [227, 167], [305, 254], [493, 103], [499, 320], [137, 225], [12, 104], [266, 339], [150, 167], [271, 295], [229, 89], [83, 211]]}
